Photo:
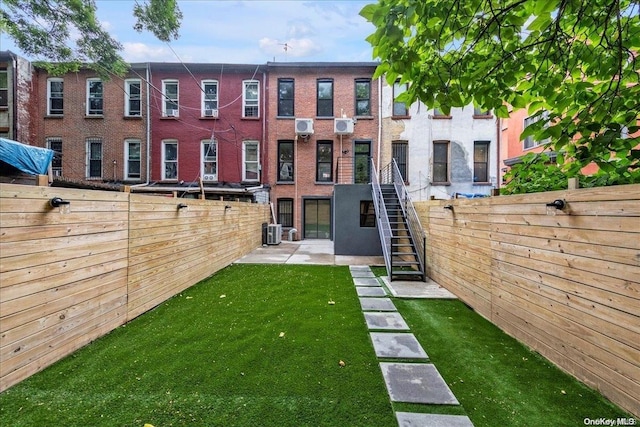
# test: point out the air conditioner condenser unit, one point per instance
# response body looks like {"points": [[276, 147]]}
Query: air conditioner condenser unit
{"points": [[304, 126], [274, 234]]}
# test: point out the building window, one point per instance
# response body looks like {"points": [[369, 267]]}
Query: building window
{"points": [[285, 161], [250, 161], [325, 98], [285, 212], [209, 98], [170, 98], [251, 99], [362, 162], [170, 160], [132, 98], [209, 160], [481, 161], [133, 158], [367, 213], [529, 141], [438, 114], [55, 144], [324, 161], [55, 92], [95, 98], [477, 111], [400, 152], [285, 98], [4, 87], [399, 108], [94, 157], [440, 162], [363, 97]]}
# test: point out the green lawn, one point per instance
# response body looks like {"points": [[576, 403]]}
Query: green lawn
{"points": [[213, 356], [260, 345]]}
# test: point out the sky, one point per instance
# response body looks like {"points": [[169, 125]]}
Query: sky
{"points": [[243, 32]]}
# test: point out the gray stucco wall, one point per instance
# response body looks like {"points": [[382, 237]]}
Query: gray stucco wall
{"points": [[349, 237]]}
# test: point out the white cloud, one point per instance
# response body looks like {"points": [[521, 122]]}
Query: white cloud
{"points": [[142, 52]]}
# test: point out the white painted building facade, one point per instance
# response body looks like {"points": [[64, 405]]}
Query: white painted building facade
{"points": [[439, 156]]}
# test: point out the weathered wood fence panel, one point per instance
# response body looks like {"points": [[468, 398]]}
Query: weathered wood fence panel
{"points": [[69, 278], [566, 283]]}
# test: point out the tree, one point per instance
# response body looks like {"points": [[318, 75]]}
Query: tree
{"points": [[67, 33], [572, 61]]}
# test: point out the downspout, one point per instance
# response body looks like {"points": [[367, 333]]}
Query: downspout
{"points": [[265, 144], [498, 151]]}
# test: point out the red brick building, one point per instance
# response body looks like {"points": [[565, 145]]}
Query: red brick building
{"points": [[97, 127], [322, 129], [207, 125]]}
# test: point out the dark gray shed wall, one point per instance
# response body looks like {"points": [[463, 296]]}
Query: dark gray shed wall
{"points": [[349, 237]]}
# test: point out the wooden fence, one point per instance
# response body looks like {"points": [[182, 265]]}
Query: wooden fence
{"points": [[69, 278], [564, 282]]}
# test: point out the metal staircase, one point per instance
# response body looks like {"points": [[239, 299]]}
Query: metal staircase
{"points": [[401, 235]]}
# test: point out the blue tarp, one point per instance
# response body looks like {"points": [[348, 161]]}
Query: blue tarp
{"points": [[29, 159]]}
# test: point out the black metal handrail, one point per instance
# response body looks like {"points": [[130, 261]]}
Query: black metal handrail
{"points": [[384, 228], [390, 174]]}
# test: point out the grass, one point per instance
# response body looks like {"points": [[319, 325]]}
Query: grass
{"points": [[497, 380], [214, 356], [260, 345]]}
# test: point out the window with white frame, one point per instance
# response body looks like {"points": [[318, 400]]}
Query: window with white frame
{"points": [[209, 98], [133, 98], [440, 162], [209, 160], [55, 97], [543, 117], [133, 158], [94, 157], [95, 97], [250, 98], [250, 161], [170, 159], [55, 144], [170, 98]]}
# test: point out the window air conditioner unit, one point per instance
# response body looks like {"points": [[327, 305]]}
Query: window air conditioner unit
{"points": [[304, 126], [343, 126], [213, 112], [172, 113], [209, 177], [274, 234]]}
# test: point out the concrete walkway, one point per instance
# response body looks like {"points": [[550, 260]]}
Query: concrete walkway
{"points": [[408, 375]]}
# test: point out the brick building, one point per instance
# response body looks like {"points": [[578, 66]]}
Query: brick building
{"points": [[322, 130], [207, 126], [98, 128], [16, 76]]}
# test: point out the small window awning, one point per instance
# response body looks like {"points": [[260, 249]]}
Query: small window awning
{"points": [[26, 158]]}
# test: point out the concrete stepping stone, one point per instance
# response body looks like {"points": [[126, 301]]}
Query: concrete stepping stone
{"points": [[385, 321], [362, 273], [410, 419], [353, 268], [400, 346], [366, 281], [370, 291], [416, 383], [377, 304]]}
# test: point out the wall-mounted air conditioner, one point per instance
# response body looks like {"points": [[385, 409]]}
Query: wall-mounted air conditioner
{"points": [[343, 126], [212, 112], [304, 126], [172, 113], [274, 234]]}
